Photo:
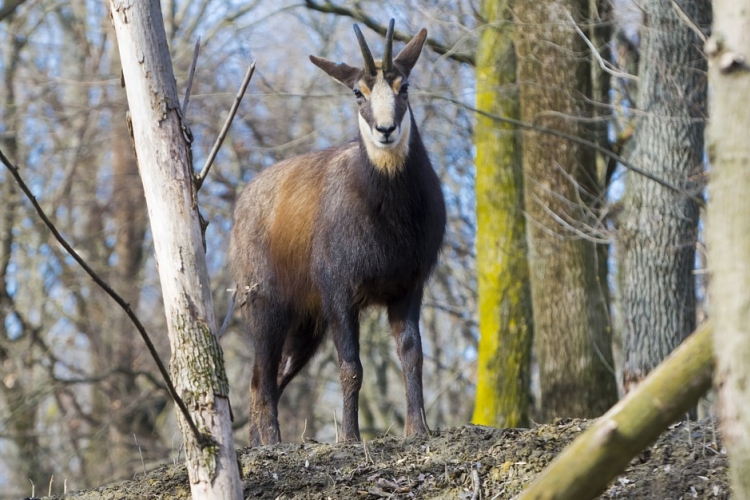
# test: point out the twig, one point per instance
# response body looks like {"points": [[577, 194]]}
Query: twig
{"points": [[49, 488], [225, 129], [191, 73], [358, 15], [477, 495], [689, 21], [336, 426], [689, 431], [32, 488], [368, 457], [302, 437], [424, 421], [108, 289], [140, 452], [228, 317], [566, 225], [8, 8], [713, 427], [119, 370], [597, 55], [550, 131], [388, 430]]}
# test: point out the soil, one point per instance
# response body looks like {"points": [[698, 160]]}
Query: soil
{"points": [[468, 462]]}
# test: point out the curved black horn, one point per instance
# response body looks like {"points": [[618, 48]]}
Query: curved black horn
{"points": [[388, 52], [366, 54]]}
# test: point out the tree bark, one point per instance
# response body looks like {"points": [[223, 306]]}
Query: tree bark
{"points": [[584, 468], [658, 228], [728, 228], [505, 315], [164, 161], [572, 334]]}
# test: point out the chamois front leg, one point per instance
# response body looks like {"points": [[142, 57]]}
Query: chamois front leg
{"points": [[345, 329], [403, 316]]}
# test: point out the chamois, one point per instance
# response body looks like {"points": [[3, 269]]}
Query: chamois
{"points": [[319, 237]]}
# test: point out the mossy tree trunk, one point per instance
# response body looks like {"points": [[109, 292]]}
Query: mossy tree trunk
{"points": [[728, 228], [505, 316], [572, 334]]}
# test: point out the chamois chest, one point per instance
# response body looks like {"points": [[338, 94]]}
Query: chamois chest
{"points": [[380, 235]]}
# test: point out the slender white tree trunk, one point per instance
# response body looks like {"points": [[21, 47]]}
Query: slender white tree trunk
{"points": [[728, 227], [197, 364]]}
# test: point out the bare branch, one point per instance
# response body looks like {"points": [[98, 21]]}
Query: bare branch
{"points": [[358, 15], [191, 73], [566, 225], [228, 317], [105, 286], [9, 7], [602, 64], [622, 161], [685, 17], [225, 129], [120, 370]]}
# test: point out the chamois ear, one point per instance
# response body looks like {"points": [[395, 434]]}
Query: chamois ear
{"points": [[340, 72], [407, 58]]}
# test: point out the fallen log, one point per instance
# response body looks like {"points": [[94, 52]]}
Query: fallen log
{"points": [[584, 468]]}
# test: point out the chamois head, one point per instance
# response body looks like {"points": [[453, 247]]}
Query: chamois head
{"points": [[381, 89]]}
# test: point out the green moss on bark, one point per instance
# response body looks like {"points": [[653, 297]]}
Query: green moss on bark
{"points": [[505, 318]]}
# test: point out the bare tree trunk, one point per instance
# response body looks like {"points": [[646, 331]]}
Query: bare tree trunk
{"points": [[505, 315], [572, 333], [164, 160], [658, 229], [119, 346], [728, 228]]}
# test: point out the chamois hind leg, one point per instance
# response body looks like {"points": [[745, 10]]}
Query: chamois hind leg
{"points": [[268, 324], [403, 316], [301, 345]]}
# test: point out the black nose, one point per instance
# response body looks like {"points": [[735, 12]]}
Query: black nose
{"points": [[386, 131]]}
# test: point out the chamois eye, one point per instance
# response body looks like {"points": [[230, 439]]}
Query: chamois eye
{"points": [[404, 88], [357, 94]]}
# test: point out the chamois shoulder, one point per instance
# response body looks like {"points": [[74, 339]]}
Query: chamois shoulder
{"points": [[286, 189], [261, 193]]}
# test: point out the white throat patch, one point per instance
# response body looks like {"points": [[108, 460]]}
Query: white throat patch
{"points": [[389, 158]]}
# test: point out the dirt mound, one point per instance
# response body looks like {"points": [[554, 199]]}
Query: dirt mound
{"points": [[462, 463]]}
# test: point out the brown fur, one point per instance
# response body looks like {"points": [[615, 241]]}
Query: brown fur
{"points": [[291, 232], [284, 200]]}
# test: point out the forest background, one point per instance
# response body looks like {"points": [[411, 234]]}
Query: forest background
{"points": [[603, 259]]}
